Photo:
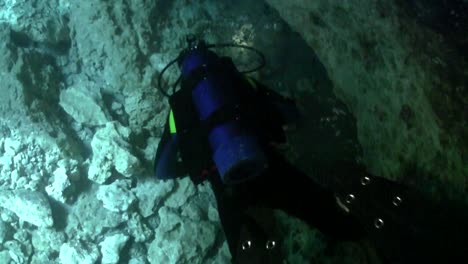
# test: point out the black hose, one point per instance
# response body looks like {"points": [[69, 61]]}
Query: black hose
{"points": [[161, 75], [176, 83]]}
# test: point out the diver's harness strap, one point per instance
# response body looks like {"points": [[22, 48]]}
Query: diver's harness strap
{"points": [[402, 222]]}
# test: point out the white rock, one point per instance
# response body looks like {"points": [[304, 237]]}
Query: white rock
{"points": [[12, 147], [32, 207], [169, 220], [159, 61], [193, 211], [116, 197], [5, 256], [111, 150], [116, 106], [151, 193], [14, 176], [161, 251], [213, 214], [151, 148], [100, 169], [6, 215], [59, 185], [135, 261], [40, 257], [76, 252], [82, 105], [20, 159], [111, 246], [137, 228], [47, 239], [18, 252], [179, 240], [22, 236], [6, 164], [125, 163], [71, 168], [184, 191], [88, 218]]}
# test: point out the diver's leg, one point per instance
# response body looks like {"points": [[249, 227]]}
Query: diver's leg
{"points": [[231, 208], [297, 194]]}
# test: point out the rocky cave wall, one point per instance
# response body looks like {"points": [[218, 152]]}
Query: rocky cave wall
{"points": [[80, 118], [403, 74]]}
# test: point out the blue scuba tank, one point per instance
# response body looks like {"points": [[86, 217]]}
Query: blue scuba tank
{"points": [[236, 151]]}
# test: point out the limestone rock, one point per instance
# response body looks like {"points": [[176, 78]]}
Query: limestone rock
{"points": [[41, 257], [78, 252], [59, 185], [138, 253], [111, 150], [32, 207], [88, 217], [175, 239], [117, 196], [111, 246], [47, 240], [138, 229], [138, 261], [184, 191], [12, 146], [5, 256], [19, 252], [151, 193], [83, 106], [151, 147]]}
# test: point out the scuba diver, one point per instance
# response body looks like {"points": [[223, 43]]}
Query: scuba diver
{"points": [[225, 128]]}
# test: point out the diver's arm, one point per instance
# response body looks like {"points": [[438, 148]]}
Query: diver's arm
{"points": [[166, 165], [404, 224], [273, 114], [287, 110]]}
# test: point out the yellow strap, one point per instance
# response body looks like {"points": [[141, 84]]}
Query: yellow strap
{"points": [[172, 126]]}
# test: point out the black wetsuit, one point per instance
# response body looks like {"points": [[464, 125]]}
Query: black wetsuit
{"points": [[281, 187], [405, 227]]}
